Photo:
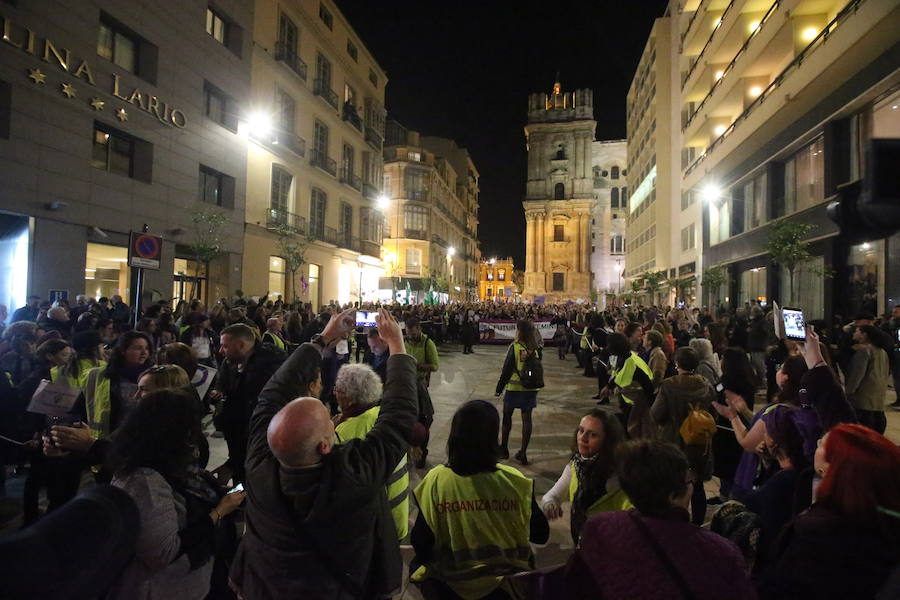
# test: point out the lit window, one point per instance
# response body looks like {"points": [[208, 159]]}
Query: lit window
{"points": [[216, 26], [112, 152], [276, 276]]}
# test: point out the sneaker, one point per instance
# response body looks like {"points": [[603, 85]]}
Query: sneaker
{"points": [[520, 456], [504, 452]]}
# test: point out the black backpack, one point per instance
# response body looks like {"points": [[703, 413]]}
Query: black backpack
{"points": [[532, 374]]}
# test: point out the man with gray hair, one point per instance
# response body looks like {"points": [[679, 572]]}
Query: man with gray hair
{"points": [[358, 390], [57, 319]]}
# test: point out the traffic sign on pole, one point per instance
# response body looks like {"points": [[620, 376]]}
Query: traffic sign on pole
{"points": [[144, 250]]}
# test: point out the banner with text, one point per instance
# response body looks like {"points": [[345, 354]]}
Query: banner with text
{"points": [[504, 332]]}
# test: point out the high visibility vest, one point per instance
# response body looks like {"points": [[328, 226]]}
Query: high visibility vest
{"points": [[397, 487], [614, 500], [624, 375], [514, 385], [481, 524], [97, 402], [273, 339], [84, 367], [585, 343]]}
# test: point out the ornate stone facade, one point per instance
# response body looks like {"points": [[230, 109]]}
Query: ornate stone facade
{"points": [[559, 197]]}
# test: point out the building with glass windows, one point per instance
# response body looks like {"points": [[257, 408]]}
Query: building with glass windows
{"points": [[496, 281], [431, 231], [114, 116], [316, 123], [778, 100]]}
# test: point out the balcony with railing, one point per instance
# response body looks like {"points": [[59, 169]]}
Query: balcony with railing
{"points": [[288, 55], [373, 137], [420, 195], [436, 239], [294, 143], [415, 234], [351, 115], [348, 177], [277, 219], [346, 240], [370, 248], [322, 88], [322, 160], [370, 190]]}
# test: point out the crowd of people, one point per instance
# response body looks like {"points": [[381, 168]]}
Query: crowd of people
{"points": [[323, 421]]}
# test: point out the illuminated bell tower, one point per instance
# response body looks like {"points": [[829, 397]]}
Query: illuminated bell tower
{"points": [[559, 194]]}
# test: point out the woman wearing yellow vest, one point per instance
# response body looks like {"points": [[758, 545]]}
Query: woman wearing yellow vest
{"points": [[517, 395], [89, 354], [358, 390], [589, 481], [476, 517], [631, 380]]}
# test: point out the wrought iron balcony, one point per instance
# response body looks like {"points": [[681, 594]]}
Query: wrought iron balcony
{"points": [[351, 115], [323, 88], [288, 55], [436, 239], [370, 248], [348, 177], [415, 234], [321, 160], [281, 219], [346, 240], [420, 195], [370, 190], [294, 143], [373, 138]]}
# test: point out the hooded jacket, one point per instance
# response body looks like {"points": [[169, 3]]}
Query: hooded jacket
{"points": [[673, 404]]}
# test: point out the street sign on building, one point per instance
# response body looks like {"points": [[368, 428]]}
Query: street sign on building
{"points": [[144, 250]]}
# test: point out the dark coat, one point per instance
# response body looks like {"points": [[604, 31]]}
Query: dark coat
{"points": [[824, 556], [617, 562], [673, 404], [241, 389], [340, 502]]}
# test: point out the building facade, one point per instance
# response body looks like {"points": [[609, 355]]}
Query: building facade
{"points": [[778, 101], [431, 231], [608, 217], [657, 239], [315, 125], [559, 195], [107, 125], [496, 280]]}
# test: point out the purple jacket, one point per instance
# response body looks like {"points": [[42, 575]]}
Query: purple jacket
{"points": [[617, 562]]}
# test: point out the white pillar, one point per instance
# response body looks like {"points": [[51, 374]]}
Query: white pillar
{"points": [[529, 243]]}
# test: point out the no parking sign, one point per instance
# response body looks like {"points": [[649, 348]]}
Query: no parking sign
{"points": [[144, 250]]}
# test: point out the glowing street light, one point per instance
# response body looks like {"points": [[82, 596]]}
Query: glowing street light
{"points": [[382, 202], [710, 192], [259, 124], [451, 251], [809, 34], [493, 260], [719, 129], [755, 91]]}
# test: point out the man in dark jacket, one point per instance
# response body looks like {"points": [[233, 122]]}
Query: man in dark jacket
{"points": [[318, 522], [29, 312], [247, 367]]}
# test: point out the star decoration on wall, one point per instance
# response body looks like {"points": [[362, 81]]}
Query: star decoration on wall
{"points": [[36, 75], [67, 89], [97, 103], [122, 115]]}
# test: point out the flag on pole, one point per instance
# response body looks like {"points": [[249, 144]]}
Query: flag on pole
{"points": [[408, 291]]}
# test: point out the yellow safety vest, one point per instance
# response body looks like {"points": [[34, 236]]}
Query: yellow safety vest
{"points": [[397, 487], [84, 367], [624, 376], [481, 524], [514, 384], [585, 343], [615, 500], [273, 339], [97, 403]]}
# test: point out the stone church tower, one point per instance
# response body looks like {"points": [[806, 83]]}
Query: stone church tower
{"points": [[559, 196]]}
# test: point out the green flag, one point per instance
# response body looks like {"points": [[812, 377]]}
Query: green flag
{"points": [[429, 298]]}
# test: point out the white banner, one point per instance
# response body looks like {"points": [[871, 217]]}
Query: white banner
{"points": [[504, 332]]}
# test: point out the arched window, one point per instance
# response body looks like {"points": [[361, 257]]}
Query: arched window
{"points": [[614, 197], [614, 172], [559, 191], [560, 152]]}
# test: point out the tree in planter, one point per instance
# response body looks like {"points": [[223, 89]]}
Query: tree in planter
{"points": [[292, 249], [636, 288], [788, 249], [207, 244], [713, 280], [652, 281]]}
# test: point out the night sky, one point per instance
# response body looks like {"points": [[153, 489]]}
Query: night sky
{"points": [[464, 69]]}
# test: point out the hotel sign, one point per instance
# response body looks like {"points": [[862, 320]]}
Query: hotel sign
{"points": [[46, 50]]}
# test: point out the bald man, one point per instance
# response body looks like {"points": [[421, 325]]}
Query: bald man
{"points": [[318, 520]]}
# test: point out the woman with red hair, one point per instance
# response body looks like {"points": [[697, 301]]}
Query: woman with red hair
{"points": [[847, 543]]}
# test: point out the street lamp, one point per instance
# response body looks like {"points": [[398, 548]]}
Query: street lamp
{"points": [[451, 251], [259, 124], [382, 202]]}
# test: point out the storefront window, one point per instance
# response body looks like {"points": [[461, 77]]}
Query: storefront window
{"points": [[804, 178], [866, 277], [314, 286], [276, 277], [106, 271], [809, 288], [189, 280], [753, 286], [719, 222]]}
